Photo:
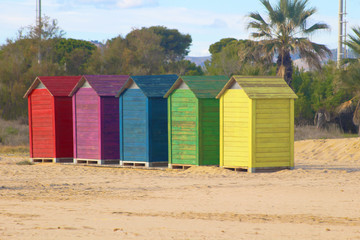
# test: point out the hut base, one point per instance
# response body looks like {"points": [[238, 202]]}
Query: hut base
{"points": [[180, 166], [51, 160], [257, 170], [96, 161], [143, 164], [185, 166]]}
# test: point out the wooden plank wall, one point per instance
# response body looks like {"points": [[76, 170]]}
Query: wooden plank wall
{"points": [[272, 135], [184, 123], [110, 141], [43, 139], [134, 126], [87, 124], [236, 133], [64, 127], [209, 131], [158, 130]]}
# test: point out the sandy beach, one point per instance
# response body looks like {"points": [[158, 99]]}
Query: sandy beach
{"points": [[320, 199]]}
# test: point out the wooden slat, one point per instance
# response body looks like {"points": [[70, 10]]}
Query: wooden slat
{"points": [[182, 112]]}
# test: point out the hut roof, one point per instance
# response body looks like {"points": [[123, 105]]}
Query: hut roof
{"points": [[151, 85], [104, 85], [58, 86], [261, 87], [201, 86]]}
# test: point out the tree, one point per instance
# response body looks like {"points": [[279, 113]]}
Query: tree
{"points": [[144, 51], [184, 68], [73, 55], [348, 79], [175, 44], [154, 50], [318, 91], [218, 46], [230, 56], [226, 61], [285, 32], [19, 65]]}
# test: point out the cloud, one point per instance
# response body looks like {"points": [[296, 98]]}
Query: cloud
{"points": [[137, 3], [97, 3], [218, 23], [108, 4]]}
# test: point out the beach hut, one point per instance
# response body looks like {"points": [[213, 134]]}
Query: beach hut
{"points": [[50, 118], [193, 119], [143, 120], [96, 119], [257, 124]]}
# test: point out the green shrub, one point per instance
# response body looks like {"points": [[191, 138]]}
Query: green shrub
{"points": [[24, 162], [11, 131]]}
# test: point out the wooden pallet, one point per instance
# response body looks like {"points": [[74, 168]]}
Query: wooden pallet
{"points": [[256, 170], [64, 160], [143, 164], [96, 161], [51, 160], [180, 166], [237, 169], [42, 160]]}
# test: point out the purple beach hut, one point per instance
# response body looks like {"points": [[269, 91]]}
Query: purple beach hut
{"points": [[96, 119]]}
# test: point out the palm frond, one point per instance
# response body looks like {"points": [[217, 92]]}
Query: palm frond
{"points": [[313, 53], [344, 107], [315, 27], [267, 5], [354, 42], [256, 16], [303, 17]]}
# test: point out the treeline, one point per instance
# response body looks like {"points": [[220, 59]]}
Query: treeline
{"points": [[159, 50], [43, 51], [326, 90]]}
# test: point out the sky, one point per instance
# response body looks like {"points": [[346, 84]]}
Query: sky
{"points": [[207, 21]]}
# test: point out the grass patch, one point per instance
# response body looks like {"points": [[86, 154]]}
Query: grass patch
{"points": [[24, 162], [14, 149], [350, 135], [311, 132]]}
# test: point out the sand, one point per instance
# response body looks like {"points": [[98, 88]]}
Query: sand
{"points": [[320, 199]]}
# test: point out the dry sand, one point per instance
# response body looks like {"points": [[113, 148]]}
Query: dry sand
{"points": [[320, 199]]}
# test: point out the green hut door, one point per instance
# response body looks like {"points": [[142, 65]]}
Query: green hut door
{"points": [[184, 127]]}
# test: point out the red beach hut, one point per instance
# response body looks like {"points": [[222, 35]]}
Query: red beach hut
{"points": [[50, 118], [96, 119]]}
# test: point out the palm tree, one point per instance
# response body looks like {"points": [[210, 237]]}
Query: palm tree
{"points": [[354, 42], [349, 79], [285, 32]]}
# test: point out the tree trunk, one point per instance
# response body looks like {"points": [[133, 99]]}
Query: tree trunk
{"points": [[285, 68]]}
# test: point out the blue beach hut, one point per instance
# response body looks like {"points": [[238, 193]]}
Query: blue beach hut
{"points": [[143, 120]]}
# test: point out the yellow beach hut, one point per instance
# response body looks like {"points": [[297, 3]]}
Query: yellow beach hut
{"points": [[256, 124]]}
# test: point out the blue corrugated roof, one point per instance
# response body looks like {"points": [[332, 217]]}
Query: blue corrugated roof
{"points": [[154, 85]]}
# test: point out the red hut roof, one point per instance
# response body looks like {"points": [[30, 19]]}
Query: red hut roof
{"points": [[58, 86], [104, 85]]}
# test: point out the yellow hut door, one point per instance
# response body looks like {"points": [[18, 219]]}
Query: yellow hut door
{"points": [[235, 128]]}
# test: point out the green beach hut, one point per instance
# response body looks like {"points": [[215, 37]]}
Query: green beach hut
{"points": [[193, 120]]}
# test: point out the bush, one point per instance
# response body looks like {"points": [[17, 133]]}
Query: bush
{"points": [[13, 133], [24, 162]]}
